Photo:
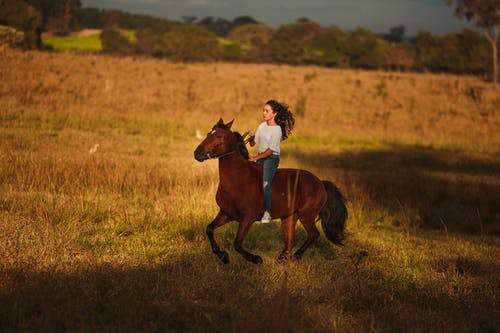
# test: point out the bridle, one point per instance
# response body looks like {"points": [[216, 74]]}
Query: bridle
{"points": [[222, 155]]}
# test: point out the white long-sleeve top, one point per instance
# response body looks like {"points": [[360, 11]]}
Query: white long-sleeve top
{"points": [[268, 137]]}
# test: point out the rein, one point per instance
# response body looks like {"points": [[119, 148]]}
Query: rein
{"points": [[225, 154]]}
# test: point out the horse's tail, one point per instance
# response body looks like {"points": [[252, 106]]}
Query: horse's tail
{"points": [[333, 214]]}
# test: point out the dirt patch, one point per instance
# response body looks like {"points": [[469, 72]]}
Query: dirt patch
{"points": [[88, 32]]}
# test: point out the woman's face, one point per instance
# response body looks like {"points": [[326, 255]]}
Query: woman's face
{"points": [[268, 113]]}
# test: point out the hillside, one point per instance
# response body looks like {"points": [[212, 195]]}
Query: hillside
{"points": [[113, 238]]}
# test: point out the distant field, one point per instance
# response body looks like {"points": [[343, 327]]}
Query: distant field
{"points": [[82, 42], [74, 43], [114, 240]]}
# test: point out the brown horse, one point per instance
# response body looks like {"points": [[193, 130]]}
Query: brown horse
{"points": [[297, 195]]}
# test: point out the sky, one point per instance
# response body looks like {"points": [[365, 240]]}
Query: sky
{"points": [[376, 15]]}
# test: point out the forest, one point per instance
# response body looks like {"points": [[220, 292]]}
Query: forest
{"points": [[246, 40]]}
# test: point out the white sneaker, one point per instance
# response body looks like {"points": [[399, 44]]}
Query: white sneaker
{"points": [[266, 218]]}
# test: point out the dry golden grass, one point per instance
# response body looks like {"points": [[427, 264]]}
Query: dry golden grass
{"points": [[115, 240]]}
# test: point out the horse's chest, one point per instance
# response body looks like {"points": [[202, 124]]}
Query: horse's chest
{"points": [[236, 200]]}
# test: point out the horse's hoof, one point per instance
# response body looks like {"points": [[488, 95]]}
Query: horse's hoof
{"points": [[224, 257], [282, 258], [297, 256], [256, 259]]}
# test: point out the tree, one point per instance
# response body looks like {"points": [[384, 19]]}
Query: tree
{"points": [[57, 14], [486, 15], [475, 50], [68, 15], [150, 40], [400, 57], [242, 20], [331, 48], [223, 27], [396, 34], [366, 50], [24, 17], [189, 19], [90, 18], [190, 43], [253, 37], [218, 26], [292, 43], [464, 52]]}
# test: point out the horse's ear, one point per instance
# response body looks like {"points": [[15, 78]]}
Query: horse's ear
{"points": [[229, 124], [220, 122]]}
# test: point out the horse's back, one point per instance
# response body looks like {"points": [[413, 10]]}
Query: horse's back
{"points": [[298, 175], [298, 190]]}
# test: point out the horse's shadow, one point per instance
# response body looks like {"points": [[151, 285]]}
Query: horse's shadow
{"points": [[192, 291], [422, 186]]}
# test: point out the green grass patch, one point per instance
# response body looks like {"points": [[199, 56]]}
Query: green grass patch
{"points": [[87, 43], [130, 34], [84, 43]]}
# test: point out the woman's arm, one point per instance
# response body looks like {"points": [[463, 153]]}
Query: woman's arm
{"points": [[260, 156]]}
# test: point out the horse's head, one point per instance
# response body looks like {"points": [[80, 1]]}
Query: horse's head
{"points": [[219, 142]]}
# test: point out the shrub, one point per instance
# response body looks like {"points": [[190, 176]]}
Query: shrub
{"points": [[10, 37], [114, 42]]}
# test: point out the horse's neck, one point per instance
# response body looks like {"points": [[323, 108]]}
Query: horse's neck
{"points": [[233, 169]]}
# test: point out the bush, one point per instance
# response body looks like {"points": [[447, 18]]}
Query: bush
{"points": [[232, 52], [114, 42], [10, 37]]}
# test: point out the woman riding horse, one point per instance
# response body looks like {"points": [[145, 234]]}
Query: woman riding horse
{"points": [[296, 195]]}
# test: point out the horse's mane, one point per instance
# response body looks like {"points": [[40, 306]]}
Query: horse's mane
{"points": [[240, 144]]}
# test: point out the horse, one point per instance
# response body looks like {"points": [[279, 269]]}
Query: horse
{"points": [[296, 195]]}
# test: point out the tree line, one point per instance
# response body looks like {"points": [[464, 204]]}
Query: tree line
{"points": [[244, 39]]}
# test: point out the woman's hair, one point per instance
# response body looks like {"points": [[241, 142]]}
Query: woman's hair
{"points": [[284, 117]]}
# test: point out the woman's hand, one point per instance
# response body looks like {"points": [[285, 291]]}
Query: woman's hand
{"points": [[265, 154], [251, 138]]}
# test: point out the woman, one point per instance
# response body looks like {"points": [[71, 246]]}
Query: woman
{"points": [[277, 125]]}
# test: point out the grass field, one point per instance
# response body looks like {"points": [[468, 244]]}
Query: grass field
{"points": [[115, 240]]}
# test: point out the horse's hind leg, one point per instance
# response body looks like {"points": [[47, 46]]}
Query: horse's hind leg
{"points": [[219, 220], [288, 228], [312, 234], [243, 228]]}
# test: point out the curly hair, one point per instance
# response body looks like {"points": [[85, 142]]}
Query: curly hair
{"points": [[284, 117]]}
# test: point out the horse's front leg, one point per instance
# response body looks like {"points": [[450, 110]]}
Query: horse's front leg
{"points": [[219, 220], [243, 228]]}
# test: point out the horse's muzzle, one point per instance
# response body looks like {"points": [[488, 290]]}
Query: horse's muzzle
{"points": [[200, 155]]}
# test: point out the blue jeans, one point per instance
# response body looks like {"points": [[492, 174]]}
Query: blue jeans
{"points": [[269, 165]]}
